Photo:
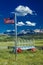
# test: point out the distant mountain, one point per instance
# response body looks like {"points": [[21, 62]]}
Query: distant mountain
{"points": [[23, 32], [10, 32], [29, 31]]}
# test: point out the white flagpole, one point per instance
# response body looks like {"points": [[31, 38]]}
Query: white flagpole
{"points": [[15, 36]]}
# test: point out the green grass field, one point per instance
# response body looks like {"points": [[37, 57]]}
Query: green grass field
{"points": [[24, 58]]}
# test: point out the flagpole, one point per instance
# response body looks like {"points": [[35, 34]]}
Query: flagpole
{"points": [[15, 36]]}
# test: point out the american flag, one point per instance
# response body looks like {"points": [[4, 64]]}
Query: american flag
{"points": [[9, 20]]}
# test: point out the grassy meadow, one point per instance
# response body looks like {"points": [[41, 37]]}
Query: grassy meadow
{"points": [[7, 57]]}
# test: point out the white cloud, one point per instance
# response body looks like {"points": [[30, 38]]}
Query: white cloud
{"points": [[37, 30], [24, 10], [27, 23], [30, 23], [10, 30], [20, 23]]}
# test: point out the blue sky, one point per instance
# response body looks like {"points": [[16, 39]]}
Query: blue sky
{"points": [[8, 6]]}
